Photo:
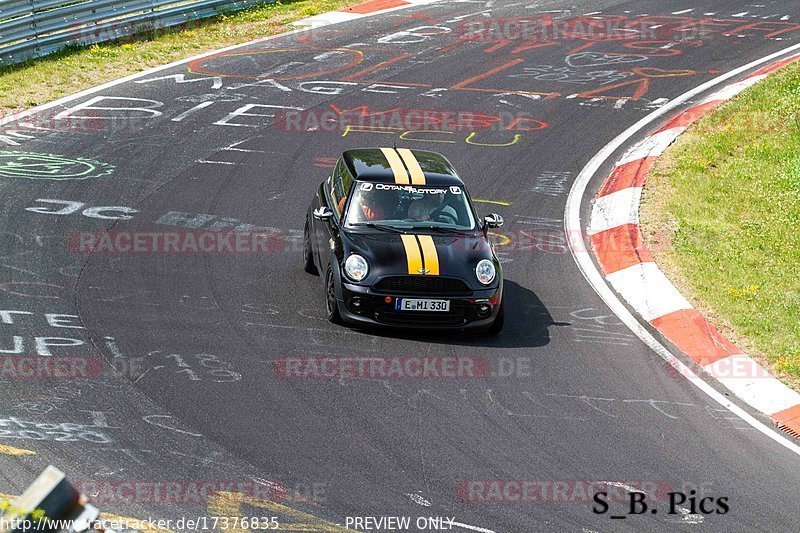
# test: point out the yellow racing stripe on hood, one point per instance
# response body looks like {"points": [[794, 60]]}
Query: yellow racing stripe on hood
{"points": [[413, 254], [417, 176], [396, 164], [430, 255]]}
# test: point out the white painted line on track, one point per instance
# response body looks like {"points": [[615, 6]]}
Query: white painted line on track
{"points": [[472, 528], [735, 88]]}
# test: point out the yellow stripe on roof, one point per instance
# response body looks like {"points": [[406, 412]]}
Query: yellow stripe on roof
{"points": [[396, 164], [417, 176]]}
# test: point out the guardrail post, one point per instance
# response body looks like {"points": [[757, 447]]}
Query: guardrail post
{"points": [[34, 26]]}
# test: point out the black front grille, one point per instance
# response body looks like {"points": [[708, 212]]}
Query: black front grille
{"points": [[424, 285]]}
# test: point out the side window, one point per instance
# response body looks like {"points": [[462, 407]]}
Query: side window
{"points": [[340, 186], [335, 186], [347, 180]]}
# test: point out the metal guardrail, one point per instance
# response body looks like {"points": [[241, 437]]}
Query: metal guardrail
{"points": [[36, 28]]}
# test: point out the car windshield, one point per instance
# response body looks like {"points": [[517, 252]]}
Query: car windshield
{"points": [[410, 206]]}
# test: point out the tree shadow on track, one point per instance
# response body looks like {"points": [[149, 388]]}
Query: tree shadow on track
{"points": [[527, 325]]}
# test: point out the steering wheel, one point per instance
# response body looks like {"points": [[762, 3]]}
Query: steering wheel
{"points": [[439, 213]]}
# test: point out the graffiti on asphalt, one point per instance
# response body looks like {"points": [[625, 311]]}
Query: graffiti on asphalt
{"points": [[39, 166]]}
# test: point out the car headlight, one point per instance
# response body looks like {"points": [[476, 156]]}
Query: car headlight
{"points": [[356, 267], [485, 271]]}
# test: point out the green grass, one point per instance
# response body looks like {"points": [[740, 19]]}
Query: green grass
{"points": [[721, 212], [74, 69]]}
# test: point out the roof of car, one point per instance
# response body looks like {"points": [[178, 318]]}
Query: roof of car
{"points": [[400, 166]]}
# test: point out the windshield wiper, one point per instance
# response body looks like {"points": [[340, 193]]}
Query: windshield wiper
{"points": [[438, 229], [381, 227]]}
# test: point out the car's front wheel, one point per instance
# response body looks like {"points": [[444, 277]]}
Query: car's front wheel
{"points": [[331, 305], [308, 254]]}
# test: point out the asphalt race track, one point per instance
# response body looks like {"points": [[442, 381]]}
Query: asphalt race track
{"points": [[215, 145]]}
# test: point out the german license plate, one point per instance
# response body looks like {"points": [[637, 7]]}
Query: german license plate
{"points": [[411, 304]]}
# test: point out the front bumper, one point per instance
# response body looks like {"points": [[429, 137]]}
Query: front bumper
{"points": [[362, 305]]}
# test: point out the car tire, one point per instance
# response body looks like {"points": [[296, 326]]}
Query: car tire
{"points": [[331, 306], [308, 254], [499, 321]]}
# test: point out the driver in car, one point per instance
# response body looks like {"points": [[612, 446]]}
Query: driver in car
{"points": [[368, 209], [431, 207]]}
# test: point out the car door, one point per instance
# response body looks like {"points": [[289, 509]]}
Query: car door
{"points": [[334, 197]]}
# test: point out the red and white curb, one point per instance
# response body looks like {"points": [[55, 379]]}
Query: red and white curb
{"points": [[629, 268], [356, 12]]}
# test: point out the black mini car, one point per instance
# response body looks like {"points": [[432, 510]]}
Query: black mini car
{"points": [[397, 240]]}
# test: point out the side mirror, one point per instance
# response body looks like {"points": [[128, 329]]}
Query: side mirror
{"points": [[322, 213], [492, 221]]}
